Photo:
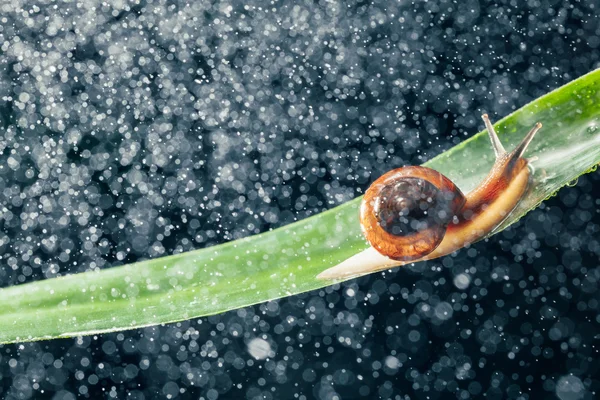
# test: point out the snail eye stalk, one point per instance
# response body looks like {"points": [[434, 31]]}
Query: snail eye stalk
{"points": [[496, 144]]}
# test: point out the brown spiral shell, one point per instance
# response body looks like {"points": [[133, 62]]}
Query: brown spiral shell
{"points": [[404, 214]]}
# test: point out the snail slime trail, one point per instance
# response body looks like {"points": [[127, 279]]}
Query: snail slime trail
{"points": [[416, 213]]}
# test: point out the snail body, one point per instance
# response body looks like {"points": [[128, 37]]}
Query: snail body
{"points": [[415, 213]]}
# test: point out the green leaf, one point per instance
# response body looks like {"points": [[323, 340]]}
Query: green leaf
{"points": [[285, 261]]}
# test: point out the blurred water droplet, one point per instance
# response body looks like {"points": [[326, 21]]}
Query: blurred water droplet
{"points": [[392, 362], [570, 388], [443, 311], [260, 349], [462, 281]]}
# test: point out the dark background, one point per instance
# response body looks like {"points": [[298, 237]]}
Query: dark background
{"points": [[137, 130]]}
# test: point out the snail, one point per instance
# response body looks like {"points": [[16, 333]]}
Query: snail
{"points": [[415, 213]]}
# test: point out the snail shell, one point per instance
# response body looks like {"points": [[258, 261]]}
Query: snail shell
{"points": [[404, 213]]}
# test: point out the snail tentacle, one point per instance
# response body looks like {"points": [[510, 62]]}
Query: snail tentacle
{"points": [[496, 144], [520, 149]]}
